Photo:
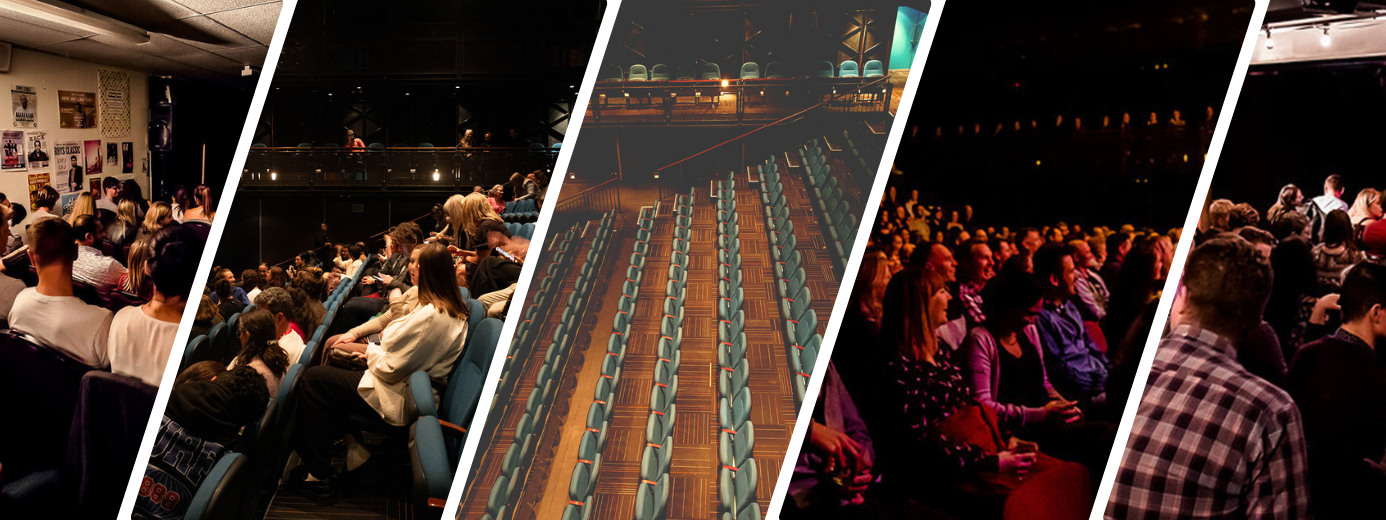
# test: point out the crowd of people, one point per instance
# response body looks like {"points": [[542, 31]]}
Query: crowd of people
{"points": [[406, 314], [1074, 125], [1269, 364], [986, 367]]}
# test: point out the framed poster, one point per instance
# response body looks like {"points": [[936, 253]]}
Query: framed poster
{"points": [[127, 154], [36, 181], [112, 156], [68, 166], [77, 109], [25, 100], [38, 149], [92, 149], [13, 155]]}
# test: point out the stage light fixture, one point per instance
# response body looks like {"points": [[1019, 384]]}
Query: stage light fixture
{"points": [[656, 175], [572, 175], [274, 176], [724, 83], [436, 176], [1325, 40]]}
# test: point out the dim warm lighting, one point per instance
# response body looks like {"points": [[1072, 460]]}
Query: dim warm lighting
{"points": [[274, 176], [1325, 40], [1037, 162], [572, 175], [656, 175], [1186, 157], [406, 93], [329, 94], [698, 94], [626, 93], [724, 83], [435, 175]]}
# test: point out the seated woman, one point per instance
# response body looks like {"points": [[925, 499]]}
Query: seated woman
{"points": [[141, 338], [941, 439], [158, 217], [426, 335], [206, 209], [350, 258], [260, 348], [1004, 368], [127, 223], [496, 198]]}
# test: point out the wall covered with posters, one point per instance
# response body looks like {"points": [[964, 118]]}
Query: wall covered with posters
{"points": [[54, 104]]}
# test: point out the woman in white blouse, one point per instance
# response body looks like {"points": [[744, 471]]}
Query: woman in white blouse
{"points": [[423, 329]]}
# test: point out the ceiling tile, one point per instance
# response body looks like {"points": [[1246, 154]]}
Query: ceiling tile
{"points": [[256, 22], [210, 62], [228, 39], [97, 52], [159, 45], [216, 6], [24, 29], [254, 56]]}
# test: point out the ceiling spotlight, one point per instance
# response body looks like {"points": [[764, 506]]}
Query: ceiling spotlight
{"points": [[274, 176], [435, 175], [1325, 40]]}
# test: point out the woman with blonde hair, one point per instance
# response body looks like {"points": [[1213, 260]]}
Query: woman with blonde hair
{"points": [[1366, 209], [517, 185], [85, 205], [206, 209], [472, 221], [159, 216], [127, 224], [134, 280]]}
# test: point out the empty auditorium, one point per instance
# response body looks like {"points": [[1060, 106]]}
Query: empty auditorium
{"points": [[381, 219], [124, 120], [692, 260]]}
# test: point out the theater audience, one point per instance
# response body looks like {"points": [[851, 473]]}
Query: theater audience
{"points": [[141, 337], [1365, 210], [1332, 198], [1336, 253], [83, 330], [84, 205], [428, 338], [206, 317], [280, 305], [1074, 359], [206, 208], [45, 199], [126, 225], [158, 217], [110, 195], [228, 304], [251, 283]]}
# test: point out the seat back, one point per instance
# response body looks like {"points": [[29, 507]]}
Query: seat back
{"points": [[44, 383], [774, 70], [107, 428], [873, 69], [660, 72], [825, 69], [638, 73], [848, 69], [750, 70], [464, 387], [612, 73], [684, 72], [711, 71]]}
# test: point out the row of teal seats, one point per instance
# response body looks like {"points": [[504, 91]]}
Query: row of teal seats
{"points": [[737, 473], [652, 491], [531, 425], [749, 70], [828, 200], [800, 320], [560, 253], [582, 484], [521, 211]]}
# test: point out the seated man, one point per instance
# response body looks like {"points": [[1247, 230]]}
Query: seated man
{"points": [[92, 267], [280, 303], [1340, 388], [200, 426], [45, 199], [49, 312], [1075, 365]]}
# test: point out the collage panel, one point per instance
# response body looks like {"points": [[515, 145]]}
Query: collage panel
{"points": [[996, 324], [696, 248], [390, 188], [123, 119], [1267, 372]]}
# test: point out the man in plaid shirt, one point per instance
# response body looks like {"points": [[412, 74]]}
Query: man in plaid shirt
{"points": [[1211, 440]]}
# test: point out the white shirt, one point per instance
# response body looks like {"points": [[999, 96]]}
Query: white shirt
{"points": [[96, 269], [252, 294], [64, 323], [293, 345], [140, 345], [1328, 203]]}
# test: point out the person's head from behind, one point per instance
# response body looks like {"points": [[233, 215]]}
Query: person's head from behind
{"points": [[205, 200], [277, 277], [250, 279], [1243, 214], [432, 270], [1337, 229], [1367, 204], [1219, 213], [131, 190], [110, 187], [1055, 267], [915, 305], [1226, 285], [1333, 185], [129, 212], [356, 250], [1012, 300], [1262, 240], [280, 305], [200, 371], [1290, 196], [1363, 298], [87, 230], [311, 283], [1292, 223], [160, 214], [872, 279], [976, 263], [259, 338], [172, 263], [406, 236], [224, 289], [85, 205], [51, 244], [180, 196]]}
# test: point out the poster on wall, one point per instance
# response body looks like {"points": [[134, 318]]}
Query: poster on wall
{"points": [[94, 187], [67, 201], [68, 167], [13, 156], [112, 155], [92, 149], [36, 181], [127, 153], [114, 87], [25, 106], [38, 150], [77, 109]]}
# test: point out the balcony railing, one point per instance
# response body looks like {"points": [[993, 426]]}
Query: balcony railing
{"points": [[733, 101], [407, 168]]}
